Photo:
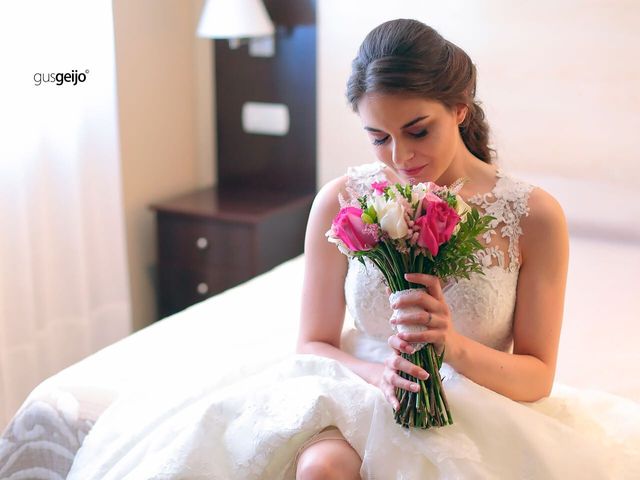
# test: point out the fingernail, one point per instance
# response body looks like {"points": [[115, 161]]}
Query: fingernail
{"points": [[409, 350], [424, 375], [415, 387]]}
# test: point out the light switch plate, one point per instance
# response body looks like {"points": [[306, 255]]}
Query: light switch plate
{"points": [[265, 118]]}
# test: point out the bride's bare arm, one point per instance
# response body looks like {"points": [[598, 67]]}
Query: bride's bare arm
{"points": [[528, 373], [323, 302]]}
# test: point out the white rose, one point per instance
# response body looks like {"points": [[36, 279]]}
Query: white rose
{"points": [[418, 192], [391, 217]]}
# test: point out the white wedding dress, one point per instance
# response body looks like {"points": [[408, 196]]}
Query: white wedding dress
{"points": [[253, 427]]}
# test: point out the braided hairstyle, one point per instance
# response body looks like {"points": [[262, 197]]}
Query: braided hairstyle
{"points": [[408, 57]]}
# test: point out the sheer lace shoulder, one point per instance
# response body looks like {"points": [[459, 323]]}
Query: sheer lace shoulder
{"points": [[507, 202]]}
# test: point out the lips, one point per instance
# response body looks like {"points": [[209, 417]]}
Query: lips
{"points": [[412, 171]]}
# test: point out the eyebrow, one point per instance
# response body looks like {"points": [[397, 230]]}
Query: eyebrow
{"points": [[412, 122]]}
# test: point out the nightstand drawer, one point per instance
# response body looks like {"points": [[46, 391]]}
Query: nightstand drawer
{"points": [[215, 238], [180, 287], [195, 243]]}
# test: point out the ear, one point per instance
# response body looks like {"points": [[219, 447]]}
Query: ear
{"points": [[461, 112]]}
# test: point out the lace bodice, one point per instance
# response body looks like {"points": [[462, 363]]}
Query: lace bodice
{"points": [[482, 307]]}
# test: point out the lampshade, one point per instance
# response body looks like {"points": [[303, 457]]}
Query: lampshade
{"points": [[234, 19]]}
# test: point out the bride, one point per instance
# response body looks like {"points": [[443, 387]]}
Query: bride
{"points": [[326, 412], [414, 93]]}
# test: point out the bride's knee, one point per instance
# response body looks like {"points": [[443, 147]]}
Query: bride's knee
{"points": [[329, 460]]}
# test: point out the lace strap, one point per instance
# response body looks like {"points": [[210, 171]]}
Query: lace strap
{"points": [[507, 202], [359, 180]]}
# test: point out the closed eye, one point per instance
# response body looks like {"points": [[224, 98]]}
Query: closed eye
{"points": [[382, 141], [419, 134]]}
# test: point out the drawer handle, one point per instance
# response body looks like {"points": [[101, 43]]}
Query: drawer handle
{"points": [[202, 243], [202, 288]]}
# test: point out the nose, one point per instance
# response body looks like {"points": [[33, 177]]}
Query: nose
{"points": [[402, 153]]}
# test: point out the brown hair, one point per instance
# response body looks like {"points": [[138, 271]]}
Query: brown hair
{"points": [[408, 57]]}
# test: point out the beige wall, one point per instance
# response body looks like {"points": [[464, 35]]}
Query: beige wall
{"points": [[559, 80], [164, 101]]}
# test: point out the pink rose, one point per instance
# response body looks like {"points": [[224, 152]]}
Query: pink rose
{"points": [[380, 186], [349, 227], [436, 225], [429, 197]]}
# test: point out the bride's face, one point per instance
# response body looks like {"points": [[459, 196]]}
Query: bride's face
{"points": [[415, 137]]}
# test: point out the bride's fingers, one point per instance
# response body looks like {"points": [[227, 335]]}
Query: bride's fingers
{"points": [[418, 318], [430, 281], [418, 298], [390, 395], [397, 381], [428, 336], [399, 345], [396, 362]]}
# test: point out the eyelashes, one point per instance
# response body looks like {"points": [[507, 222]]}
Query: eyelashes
{"points": [[381, 141], [419, 134]]}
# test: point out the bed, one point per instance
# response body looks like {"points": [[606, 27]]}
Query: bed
{"points": [[602, 310]]}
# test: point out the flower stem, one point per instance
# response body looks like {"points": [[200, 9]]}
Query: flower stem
{"points": [[428, 407]]}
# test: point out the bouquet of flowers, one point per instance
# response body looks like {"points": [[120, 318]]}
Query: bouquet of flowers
{"points": [[421, 228]]}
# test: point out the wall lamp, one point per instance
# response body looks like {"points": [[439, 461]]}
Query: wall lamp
{"points": [[239, 21]]}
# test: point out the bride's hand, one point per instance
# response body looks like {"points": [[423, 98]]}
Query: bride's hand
{"points": [[389, 379], [434, 314]]}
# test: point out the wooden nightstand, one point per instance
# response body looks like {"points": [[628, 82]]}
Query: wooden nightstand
{"points": [[213, 239]]}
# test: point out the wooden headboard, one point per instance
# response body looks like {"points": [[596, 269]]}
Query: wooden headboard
{"points": [[289, 77]]}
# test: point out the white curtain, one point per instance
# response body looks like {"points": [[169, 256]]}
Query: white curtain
{"points": [[63, 275]]}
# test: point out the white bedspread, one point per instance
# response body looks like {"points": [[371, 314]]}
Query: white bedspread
{"points": [[601, 323], [176, 425]]}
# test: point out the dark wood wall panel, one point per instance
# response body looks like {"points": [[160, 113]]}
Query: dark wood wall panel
{"points": [[265, 161]]}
